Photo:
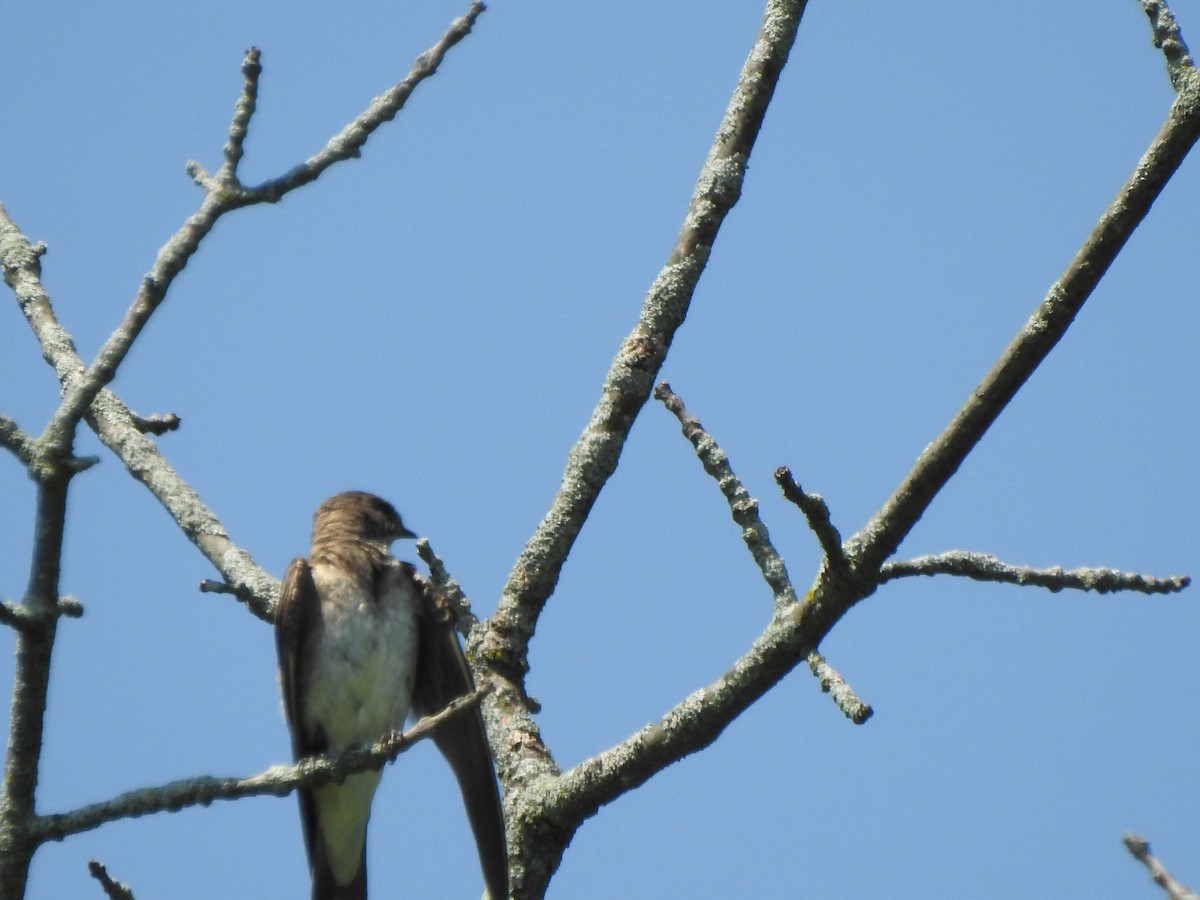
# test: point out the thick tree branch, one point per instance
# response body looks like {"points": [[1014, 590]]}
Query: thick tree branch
{"points": [[278, 780], [798, 628], [982, 567]]}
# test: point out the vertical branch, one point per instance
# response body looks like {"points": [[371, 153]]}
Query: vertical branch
{"points": [[35, 642]]}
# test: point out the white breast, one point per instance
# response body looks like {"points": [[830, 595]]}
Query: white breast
{"points": [[365, 662], [360, 688]]}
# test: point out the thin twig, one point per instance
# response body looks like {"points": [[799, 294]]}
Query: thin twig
{"points": [[112, 888], [224, 196], [817, 513], [758, 540], [159, 423], [20, 616], [348, 143], [17, 441], [1169, 39], [241, 592], [983, 567], [743, 507], [242, 113], [1140, 849], [843, 695], [278, 780], [449, 587]]}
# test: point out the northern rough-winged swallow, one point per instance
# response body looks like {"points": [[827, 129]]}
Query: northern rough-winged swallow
{"points": [[362, 641]]}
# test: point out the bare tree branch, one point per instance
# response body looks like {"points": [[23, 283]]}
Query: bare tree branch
{"points": [[21, 616], [817, 513], [448, 585], [881, 536], [222, 196], [982, 567], [1140, 849], [741, 504], [347, 144], [627, 385], [758, 539], [118, 428], [799, 627], [113, 889], [12, 438], [242, 113], [157, 424], [278, 780], [35, 641], [843, 695], [1169, 39], [52, 464], [593, 459]]}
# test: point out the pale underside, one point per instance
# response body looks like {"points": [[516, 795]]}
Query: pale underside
{"points": [[360, 688]]}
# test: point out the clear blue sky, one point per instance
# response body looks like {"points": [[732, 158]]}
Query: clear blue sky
{"points": [[432, 323]]}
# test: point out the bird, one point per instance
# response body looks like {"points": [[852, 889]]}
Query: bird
{"points": [[362, 641]]}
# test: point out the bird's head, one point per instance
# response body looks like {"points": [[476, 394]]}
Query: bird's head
{"points": [[362, 515]]}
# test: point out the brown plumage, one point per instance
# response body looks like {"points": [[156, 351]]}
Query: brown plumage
{"points": [[363, 640]]}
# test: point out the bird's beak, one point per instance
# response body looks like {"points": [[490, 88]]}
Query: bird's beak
{"points": [[404, 533]]}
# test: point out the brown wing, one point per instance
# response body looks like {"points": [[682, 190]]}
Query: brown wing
{"points": [[296, 617], [442, 676]]}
